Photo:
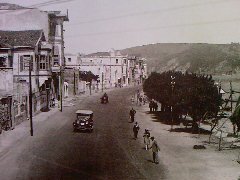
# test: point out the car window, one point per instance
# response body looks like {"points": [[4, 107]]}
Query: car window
{"points": [[83, 117]]}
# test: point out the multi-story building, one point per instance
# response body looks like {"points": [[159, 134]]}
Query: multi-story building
{"points": [[113, 68], [51, 22], [20, 50]]}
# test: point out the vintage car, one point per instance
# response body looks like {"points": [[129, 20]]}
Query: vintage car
{"points": [[84, 121]]}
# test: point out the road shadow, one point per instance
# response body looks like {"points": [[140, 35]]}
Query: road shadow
{"points": [[163, 117], [151, 161], [189, 130], [166, 118]]}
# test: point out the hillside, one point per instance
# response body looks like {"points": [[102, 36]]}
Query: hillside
{"points": [[8, 6], [206, 58]]}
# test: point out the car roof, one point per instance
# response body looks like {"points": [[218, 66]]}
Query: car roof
{"points": [[84, 112]]}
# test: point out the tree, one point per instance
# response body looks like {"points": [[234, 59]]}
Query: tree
{"points": [[190, 94], [88, 76]]}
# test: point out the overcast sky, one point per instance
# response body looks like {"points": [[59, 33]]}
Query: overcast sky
{"points": [[99, 25]]}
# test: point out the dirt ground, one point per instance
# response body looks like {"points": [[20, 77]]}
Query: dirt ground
{"points": [[184, 162]]}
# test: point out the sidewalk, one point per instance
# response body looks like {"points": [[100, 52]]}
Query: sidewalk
{"points": [[184, 162]]}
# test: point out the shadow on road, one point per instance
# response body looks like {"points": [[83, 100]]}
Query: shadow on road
{"points": [[165, 118]]}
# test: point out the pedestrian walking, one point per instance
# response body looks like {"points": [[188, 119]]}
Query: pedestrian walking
{"points": [[151, 105], [132, 114], [135, 130], [146, 138], [144, 99], [138, 95], [132, 99], [140, 100], [155, 148], [155, 106]]}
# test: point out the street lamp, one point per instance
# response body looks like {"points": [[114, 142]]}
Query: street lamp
{"points": [[172, 86]]}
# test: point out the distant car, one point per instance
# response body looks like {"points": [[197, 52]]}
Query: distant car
{"points": [[83, 121]]}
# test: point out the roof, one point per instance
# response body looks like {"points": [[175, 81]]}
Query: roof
{"points": [[84, 112], [98, 54], [21, 38]]}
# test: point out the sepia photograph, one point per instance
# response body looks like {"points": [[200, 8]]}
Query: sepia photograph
{"points": [[119, 90]]}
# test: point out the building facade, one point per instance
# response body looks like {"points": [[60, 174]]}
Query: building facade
{"points": [[113, 68], [51, 23], [19, 51]]}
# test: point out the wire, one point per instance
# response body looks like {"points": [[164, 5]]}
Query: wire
{"points": [[159, 27], [51, 2], [151, 12], [47, 3]]}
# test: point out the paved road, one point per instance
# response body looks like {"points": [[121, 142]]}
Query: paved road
{"points": [[56, 152]]}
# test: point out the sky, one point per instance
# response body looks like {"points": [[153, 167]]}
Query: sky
{"points": [[99, 25]]}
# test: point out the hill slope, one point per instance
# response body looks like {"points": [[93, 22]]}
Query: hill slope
{"points": [[207, 58]]}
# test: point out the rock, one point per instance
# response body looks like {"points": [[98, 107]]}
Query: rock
{"points": [[199, 147]]}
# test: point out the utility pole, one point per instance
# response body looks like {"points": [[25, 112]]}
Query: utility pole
{"points": [[60, 88], [102, 81], [172, 85], [231, 93], [74, 85], [30, 97]]}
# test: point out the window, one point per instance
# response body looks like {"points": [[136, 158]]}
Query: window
{"points": [[116, 61], [55, 60], [43, 63], [58, 30], [125, 61], [69, 59], [3, 61], [24, 62]]}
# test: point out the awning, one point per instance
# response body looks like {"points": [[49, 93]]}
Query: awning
{"points": [[42, 80], [4, 94]]}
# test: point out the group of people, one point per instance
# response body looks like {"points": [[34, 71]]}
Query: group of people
{"points": [[153, 106], [146, 137]]}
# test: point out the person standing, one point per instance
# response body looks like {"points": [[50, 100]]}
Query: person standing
{"points": [[151, 106], [135, 130], [155, 148], [132, 114], [146, 138]]}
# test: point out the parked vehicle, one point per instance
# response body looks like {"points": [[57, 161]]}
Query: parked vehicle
{"points": [[84, 121]]}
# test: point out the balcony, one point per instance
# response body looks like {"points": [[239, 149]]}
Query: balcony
{"points": [[55, 68]]}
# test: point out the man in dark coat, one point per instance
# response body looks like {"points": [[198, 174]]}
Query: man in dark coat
{"points": [[135, 130], [132, 114]]}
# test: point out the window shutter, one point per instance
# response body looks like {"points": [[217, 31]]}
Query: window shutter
{"points": [[37, 62], [21, 63]]}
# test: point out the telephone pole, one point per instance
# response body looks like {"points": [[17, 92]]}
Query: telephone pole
{"points": [[60, 89], [30, 97], [102, 81]]}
